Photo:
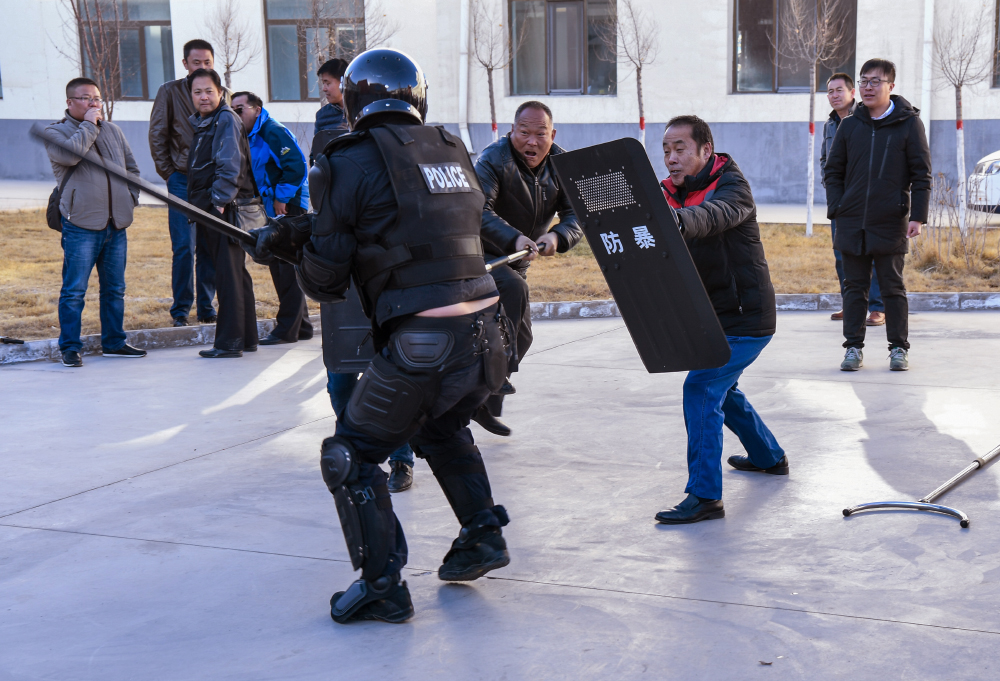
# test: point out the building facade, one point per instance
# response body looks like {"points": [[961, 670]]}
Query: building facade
{"points": [[714, 58]]}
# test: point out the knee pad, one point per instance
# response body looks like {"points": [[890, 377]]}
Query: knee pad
{"points": [[365, 510], [338, 462]]}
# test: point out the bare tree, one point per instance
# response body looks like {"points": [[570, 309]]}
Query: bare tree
{"points": [[812, 32], [236, 43], [493, 44], [375, 29], [94, 27], [964, 56], [629, 36]]}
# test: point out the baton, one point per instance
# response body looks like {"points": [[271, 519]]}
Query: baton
{"points": [[507, 259], [191, 212], [6, 340]]}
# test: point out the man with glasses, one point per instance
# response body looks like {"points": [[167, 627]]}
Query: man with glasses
{"points": [[170, 134], [840, 94], [95, 209], [878, 185]]}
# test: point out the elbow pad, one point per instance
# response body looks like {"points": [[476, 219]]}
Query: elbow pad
{"points": [[322, 280]]}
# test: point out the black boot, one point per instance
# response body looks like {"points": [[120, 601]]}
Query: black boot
{"points": [[401, 476], [478, 549], [490, 423], [691, 510], [386, 599], [743, 463]]}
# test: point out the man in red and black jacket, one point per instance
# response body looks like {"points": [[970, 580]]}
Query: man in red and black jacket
{"points": [[718, 219]]}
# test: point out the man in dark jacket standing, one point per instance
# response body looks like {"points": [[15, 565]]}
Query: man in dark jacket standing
{"points": [[331, 122], [840, 94], [279, 169], [522, 197], [220, 176], [718, 218], [878, 159], [170, 134]]}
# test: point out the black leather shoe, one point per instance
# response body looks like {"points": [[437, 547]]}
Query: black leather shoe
{"points": [[471, 557], [72, 358], [271, 339], [216, 353], [210, 319], [391, 605], [507, 388], [490, 423], [691, 510], [742, 463], [181, 321], [252, 348], [401, 476]]}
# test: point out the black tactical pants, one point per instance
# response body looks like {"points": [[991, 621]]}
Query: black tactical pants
{"points": [[442, 437], [514, 296], [857, 280]]}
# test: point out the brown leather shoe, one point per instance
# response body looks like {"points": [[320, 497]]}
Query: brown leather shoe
{"points": [[837, 316], [875, 319]]}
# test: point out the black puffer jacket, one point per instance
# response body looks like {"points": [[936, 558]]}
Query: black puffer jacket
{"points": [[219, 170], [522, 201], [719, 222], [871, 171]]}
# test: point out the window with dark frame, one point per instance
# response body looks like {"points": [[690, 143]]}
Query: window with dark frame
{"points": [[561, 48], [301, 35], [757, 66], [144, 42]]}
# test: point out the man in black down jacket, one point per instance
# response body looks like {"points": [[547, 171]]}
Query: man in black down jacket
{"points": [[522, 197], [718, 219], [878, 158]]}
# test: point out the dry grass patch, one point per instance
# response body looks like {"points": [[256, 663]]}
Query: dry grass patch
{"points": [[31, 266], [31, 276]]}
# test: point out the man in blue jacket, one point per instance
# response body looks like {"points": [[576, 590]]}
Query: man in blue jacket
{"points": [[280, 171]]}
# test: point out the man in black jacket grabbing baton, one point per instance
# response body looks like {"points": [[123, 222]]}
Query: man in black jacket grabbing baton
{"points": [[522, 197]]}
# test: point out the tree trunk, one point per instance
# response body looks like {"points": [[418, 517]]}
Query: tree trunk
{"points": [[229, 78], [960, 144], [642, 114], [810, 170], [493, 106]]}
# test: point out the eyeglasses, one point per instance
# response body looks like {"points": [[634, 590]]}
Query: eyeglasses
{"points": [[874, 82], [88, 100]]}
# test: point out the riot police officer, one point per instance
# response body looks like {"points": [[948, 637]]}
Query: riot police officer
{"points": [[399, 210]]}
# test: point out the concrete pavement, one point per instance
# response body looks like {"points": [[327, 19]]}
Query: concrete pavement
{"points": [[165, 519]]}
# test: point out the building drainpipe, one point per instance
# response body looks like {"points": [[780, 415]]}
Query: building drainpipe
{"points": [[928, 68], [463, 75]]}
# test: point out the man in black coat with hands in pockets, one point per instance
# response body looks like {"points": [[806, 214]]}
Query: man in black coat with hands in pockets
{"points": [[878, 187]]}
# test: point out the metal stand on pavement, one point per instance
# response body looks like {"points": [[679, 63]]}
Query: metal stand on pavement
{"points": [[925, 503]]}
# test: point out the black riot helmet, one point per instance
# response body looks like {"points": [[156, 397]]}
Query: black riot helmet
{"points": [[383, 81]]}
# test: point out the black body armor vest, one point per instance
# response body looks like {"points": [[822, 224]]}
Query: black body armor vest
{"points": [[436, 235]]}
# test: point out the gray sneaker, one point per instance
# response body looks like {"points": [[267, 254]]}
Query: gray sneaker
{"points": [[898, 360], [853, 360]]}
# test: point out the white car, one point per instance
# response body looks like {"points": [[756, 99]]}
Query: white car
{"points": [[984, 184]]}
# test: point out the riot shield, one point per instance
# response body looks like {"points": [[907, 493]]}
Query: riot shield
{"points": [[643, 257], [347, 335]]}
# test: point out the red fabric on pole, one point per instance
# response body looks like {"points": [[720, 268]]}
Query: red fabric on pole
{"points": [[642, 122], [494, 127], [812, 128], [958, 125]]}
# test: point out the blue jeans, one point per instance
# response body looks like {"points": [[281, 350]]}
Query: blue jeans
{"points": [[712, 399], [340, 387], [187, 242], [82, 250], [875, 303]]}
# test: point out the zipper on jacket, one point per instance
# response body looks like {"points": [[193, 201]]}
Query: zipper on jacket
{"points": [[885, 155], [107, 176], [868, 189]]}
